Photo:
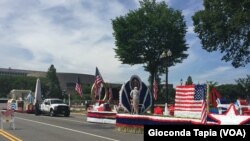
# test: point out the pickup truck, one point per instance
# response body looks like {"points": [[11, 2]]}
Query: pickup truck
{"points": [[54, 106]]}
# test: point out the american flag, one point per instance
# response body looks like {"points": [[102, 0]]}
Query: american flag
{"points": [[190, 102], [98, 82], [78, 87], [155, 89]]}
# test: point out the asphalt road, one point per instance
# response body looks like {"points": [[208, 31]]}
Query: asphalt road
{"points": [[74, 128]]}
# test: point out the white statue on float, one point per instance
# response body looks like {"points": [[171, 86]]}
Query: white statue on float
{"points": [[134, 94], [135, 97]]}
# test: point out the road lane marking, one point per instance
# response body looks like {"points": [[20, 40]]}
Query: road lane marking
{"points": [[68, 129], [72, 120], [44, 117], [78, 114], [65, 119], [9, 136]]}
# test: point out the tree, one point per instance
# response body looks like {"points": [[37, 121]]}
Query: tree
{"points": [[142, 35], [244, 84], [16, 82], [224, 26], [53, 84], [212, 83], [230, 91], [19, 82], [189, 81]]}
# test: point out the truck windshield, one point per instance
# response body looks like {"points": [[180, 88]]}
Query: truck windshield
{"points": [[57, 101]]}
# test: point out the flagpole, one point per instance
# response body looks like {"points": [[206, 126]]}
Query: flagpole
{"points": [[69, 99], [99, 92], [207, 98], [98, 83]]}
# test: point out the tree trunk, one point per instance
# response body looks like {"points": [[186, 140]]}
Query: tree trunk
{"points": [[152, 92]]}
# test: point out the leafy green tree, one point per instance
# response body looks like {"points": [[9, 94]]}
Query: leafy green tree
{"points": [[212, 83], [230, 91], [5, 86], [143, 34], [7, 83], [224, 26], [244, 85], [189, 81], [162, 98], [53, 84], [171, 96]]}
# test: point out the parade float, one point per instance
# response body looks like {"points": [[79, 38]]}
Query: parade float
{"points": [[20, 100], [100, 111], [192, 106], [24, 100]]}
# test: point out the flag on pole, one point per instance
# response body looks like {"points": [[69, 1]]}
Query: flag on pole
{"points": [[98, 82], [190, 102], [213, 96], [78, 87], [155, 89]]}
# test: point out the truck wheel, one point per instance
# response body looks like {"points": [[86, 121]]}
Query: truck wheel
{"points": [[51, 113], [66, 114]]}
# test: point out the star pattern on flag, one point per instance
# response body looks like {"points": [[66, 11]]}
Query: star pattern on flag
{"points": [[230, 117], [200, 91]]}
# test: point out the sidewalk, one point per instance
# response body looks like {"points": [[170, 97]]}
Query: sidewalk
{"points": [[79, 110]]}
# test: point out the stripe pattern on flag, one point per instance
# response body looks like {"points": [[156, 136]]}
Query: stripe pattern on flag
{"points": [[78, 87], [190, 101], [98, 82]]}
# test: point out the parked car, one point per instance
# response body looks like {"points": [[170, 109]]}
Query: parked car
{"points": [[55, 106]]}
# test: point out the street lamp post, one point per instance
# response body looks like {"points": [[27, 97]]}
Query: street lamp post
{"points": [[166, 55], [63, 94]]}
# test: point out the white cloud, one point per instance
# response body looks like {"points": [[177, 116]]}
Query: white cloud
{"points": [[214, 72], [54, 3], [70, 49], [76, 36], [168, 2]]}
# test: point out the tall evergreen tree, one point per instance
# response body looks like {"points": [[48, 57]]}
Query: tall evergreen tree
{"points": [[53, 84], [189, 81]]}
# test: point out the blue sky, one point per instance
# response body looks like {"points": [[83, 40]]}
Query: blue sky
{"points": [[76, 36]]}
